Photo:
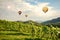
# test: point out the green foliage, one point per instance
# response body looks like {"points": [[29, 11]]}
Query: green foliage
{"points": [[28, 30]]}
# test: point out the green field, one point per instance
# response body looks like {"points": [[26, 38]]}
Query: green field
{"points": [[27, 31]]}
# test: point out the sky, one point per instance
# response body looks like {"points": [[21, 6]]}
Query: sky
{"points": [[33, 8]]}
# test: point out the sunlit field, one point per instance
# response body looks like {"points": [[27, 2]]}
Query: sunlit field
{"points": [[28, 30]]}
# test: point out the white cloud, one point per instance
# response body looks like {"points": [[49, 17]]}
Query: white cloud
{"points": [[34, 12]]}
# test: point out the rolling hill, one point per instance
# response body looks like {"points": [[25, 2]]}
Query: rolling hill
{"points": [[54, 22]]}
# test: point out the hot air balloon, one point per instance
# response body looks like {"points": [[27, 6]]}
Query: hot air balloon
{"points": [[45, 9], [19, 12], [26, 15]]}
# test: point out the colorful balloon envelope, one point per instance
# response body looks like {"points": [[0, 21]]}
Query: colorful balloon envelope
{"points": [[26, 15], [19, 12], [45, 9]]}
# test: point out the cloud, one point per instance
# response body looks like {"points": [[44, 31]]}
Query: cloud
{"points": [[34, 12]]}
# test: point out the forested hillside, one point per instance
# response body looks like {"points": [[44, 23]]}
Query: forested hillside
{"points": [[28, 30]]}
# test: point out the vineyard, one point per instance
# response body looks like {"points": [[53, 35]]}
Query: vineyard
{"points": [[29, 30]]}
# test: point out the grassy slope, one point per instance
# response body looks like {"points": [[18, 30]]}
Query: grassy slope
{"points": [[22, 30]]}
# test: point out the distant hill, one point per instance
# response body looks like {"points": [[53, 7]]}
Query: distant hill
{"points": [[57, 20], [54, 22]]}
